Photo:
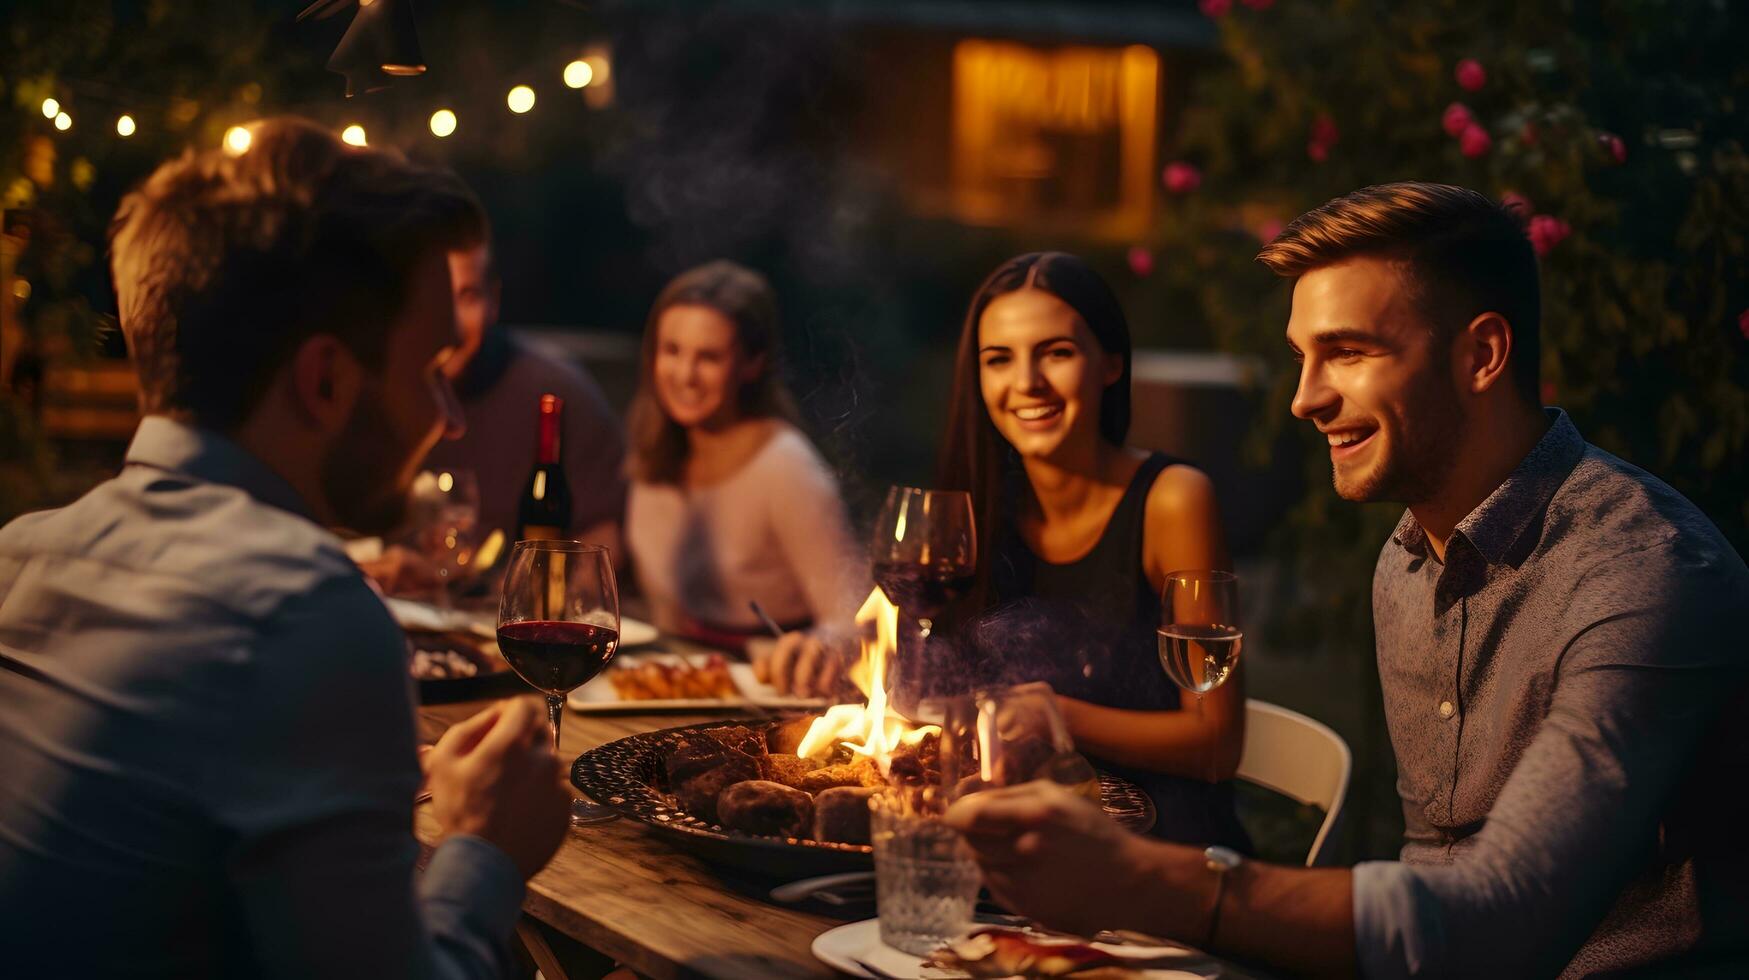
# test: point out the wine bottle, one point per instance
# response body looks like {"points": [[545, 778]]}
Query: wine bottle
{"points": [[545, 510]]}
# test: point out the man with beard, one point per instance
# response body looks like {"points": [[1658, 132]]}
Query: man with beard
{"points": [[205, 724], [1560, 646]]}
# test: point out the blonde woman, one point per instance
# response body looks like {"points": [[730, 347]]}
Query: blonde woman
{"points": [[729, 501]]}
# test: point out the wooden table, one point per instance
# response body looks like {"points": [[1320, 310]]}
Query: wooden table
{"points": [[623, 892]]}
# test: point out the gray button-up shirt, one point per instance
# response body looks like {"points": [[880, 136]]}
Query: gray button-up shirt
{"points": [[207, 760], [1565, 695]]}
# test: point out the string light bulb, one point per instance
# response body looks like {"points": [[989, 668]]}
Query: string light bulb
{"points": [[51, 108], [353, 135], [237, 140], [124, 125], [63, 122], [520, 99], [578, 74], [442, 123]]}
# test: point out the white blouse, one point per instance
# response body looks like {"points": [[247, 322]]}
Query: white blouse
{"points": [[774, 531]]}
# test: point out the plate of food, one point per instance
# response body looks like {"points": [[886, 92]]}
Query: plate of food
{"points": [[457, 665], [737, 795], [1015, 951], [643, 682]]}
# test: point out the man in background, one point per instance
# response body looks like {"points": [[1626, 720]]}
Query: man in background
{"points": [[499, 379]]}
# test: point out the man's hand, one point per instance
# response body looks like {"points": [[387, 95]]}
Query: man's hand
{"points": [[1058, 858], [400, 571], [804, 665], [495, 776]]}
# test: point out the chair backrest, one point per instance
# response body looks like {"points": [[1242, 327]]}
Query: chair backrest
{"points": [[1298, 757]]}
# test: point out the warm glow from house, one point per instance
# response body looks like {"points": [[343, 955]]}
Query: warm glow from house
{"points": [[520, 99], [63, 122], [1063, 135], [353, 135], [124, 126], [872, 729], [237, 140], [442, 123], [51, 108], [578, 74]]}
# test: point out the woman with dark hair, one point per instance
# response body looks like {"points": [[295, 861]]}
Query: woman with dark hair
{"points": [[1082, 532], [729, 501]]}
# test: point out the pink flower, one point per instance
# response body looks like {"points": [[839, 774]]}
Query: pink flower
{"points": [[1470, 75], [1457, 118], [1141, 261], [1324, 130], [1270, 230], [1258, 4], [1214, 8], [1317, 151], [1743, 324], [1546, 231], [1180, 177], [1612, 145], [1518, 203], [1475, 142], [1529, 134]]}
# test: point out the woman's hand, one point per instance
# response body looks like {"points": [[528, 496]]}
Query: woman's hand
{"points": [[804, 665]]}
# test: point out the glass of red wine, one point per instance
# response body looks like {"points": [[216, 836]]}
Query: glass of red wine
{"points": [[558, 626], [925, 550]]}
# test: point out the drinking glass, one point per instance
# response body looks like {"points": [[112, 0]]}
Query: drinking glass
{"points": [[1200, 638], [446, 508], [926, 880], [925, 550], [1010, 736], [558, 626]]}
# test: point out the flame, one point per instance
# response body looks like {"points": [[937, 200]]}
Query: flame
{"points": [[873, 729]]}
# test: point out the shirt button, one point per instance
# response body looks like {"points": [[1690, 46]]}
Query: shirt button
{"points": [[1446, 709]]}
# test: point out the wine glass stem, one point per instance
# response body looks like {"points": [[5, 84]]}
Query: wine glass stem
{"points": [[555, 712]]}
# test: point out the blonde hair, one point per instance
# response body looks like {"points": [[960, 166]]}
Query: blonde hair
{"points": [[224, 263], [1462, 255]]}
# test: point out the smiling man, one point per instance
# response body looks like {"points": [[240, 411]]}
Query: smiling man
{"points": [[1560, 646]]}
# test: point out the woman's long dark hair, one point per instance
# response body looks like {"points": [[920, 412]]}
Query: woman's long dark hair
{"points": [[974, 456], [658, 443]]}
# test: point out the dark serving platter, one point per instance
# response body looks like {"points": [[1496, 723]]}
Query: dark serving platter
{"points": [[624, 775]]}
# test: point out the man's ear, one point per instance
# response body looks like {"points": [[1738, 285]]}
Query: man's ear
{"points": [[325, 378], [1484, 348]]}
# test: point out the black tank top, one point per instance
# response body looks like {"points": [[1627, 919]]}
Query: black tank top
{"points": [[1089, 628]]}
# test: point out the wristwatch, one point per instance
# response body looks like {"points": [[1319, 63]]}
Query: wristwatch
{"points": [[1220, 860]]}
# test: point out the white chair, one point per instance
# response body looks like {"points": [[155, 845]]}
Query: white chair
{"points": [[1298, 757]]}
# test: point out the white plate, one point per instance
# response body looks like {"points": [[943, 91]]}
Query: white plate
{"points": [[599, 697], [840, 948], [414, 614], [636, 632]]}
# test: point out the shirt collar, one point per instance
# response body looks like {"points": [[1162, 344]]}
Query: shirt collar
{"points": [[166, 444], [1497, 524]]}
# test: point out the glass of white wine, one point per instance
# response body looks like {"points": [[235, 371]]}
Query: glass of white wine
{"points": [[1200, 637]]}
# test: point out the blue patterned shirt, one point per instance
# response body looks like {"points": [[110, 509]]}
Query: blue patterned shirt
{"points": [[208, 746]]}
